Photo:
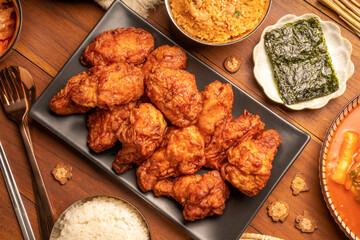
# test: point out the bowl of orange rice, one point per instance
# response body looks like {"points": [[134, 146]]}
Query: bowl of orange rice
{"points": [[217, 22]]}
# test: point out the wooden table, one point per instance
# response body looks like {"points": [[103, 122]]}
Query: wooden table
{"points": [[51, 32]]}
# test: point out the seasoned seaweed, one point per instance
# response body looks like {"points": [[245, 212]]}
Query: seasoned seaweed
{"points": [[300, 60]]}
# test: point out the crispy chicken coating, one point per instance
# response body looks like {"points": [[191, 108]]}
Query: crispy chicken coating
{"points": [[103, 125], [201, 196], [142, 134], [250, 162], [181, 153], [166, 56], [107, 86], [174, 92], [218, 102], [129, 45], [227, 134], [62, 103]]}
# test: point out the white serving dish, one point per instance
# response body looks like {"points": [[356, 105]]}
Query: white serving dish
{"points": [[340, 52]]}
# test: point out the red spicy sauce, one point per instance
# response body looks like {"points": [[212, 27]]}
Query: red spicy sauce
{"points": [[343, 200]]}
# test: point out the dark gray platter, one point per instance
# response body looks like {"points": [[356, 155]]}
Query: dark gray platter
{"points": [[240, 209]]}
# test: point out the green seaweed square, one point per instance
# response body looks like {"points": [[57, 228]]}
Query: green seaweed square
{"points": [[300, 61]]}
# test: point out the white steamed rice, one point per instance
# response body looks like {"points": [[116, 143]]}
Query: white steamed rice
{"points": [[103, 218]]}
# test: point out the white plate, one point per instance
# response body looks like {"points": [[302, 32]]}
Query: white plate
{"points": [[339, 49]]}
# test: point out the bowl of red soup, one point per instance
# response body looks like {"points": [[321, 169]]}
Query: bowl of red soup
{"points": [[340, 169], [10, 25]]}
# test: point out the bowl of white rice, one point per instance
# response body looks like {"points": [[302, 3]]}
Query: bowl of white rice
{"points": [[101, 217]]}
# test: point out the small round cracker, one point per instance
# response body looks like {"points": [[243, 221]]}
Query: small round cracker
{"points": [[278, 211]]}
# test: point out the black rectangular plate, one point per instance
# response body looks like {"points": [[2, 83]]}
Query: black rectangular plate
{"points": [[240, 209]]}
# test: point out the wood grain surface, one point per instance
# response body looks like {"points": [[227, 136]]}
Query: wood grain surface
{"points": [[51, 32]]}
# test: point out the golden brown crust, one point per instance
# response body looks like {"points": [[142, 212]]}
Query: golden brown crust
{"points": [[129, 45], [181, 153], [250, 162], [174, 93], [218, 101], [298, 184], [305, 223], [201, 196], [228, 134], [166, 56], [141, 135], [107, 86], [62, 173], [62, 104], [278, 211], [103, 125]]}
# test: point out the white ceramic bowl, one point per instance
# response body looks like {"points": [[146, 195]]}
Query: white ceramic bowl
{"points": [[340, 52], [56, 231], [323, 154]]}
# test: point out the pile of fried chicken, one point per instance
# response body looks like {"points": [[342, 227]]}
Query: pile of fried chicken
{"points": [[146, 100]]}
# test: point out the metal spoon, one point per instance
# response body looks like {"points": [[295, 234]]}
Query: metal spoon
{"points": [[18, 84]]}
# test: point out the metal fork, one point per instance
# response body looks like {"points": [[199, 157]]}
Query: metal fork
{"points": [[16, 106]]}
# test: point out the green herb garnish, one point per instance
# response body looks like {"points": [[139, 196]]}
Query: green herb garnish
{"points": [[237, 13], [246, 3]]}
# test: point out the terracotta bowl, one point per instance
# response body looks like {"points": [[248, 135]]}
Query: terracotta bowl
{"points": [[18, 23], [324, 151]]}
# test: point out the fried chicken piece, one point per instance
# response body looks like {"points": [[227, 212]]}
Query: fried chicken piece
{"points": [[62, 104], [174, 92], [107, 86], [142, 134], [226, 135], [250, 162], [201, 196], [218, 102], [103, 125], [129, 45], [166, 56], [181, 153]]}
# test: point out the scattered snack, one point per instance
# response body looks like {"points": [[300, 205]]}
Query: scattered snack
{"points": [[298, 184], [305, 223], [278, 211], [232, 64], [62, 172]]}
